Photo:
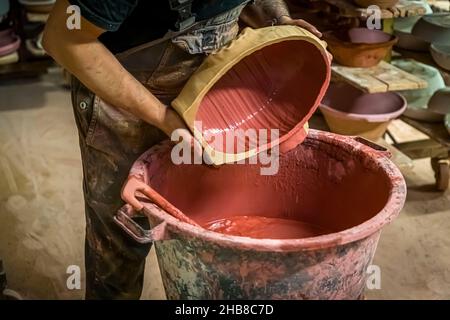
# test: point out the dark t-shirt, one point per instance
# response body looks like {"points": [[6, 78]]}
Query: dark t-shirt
{"points": [[133, 22]]}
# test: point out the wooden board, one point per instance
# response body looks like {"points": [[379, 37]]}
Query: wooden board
{"points": [[402, 9], [435, 131], [403, 162], [382, 78]]}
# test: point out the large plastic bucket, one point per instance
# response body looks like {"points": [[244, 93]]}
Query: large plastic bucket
{"points": [[345, 185]]}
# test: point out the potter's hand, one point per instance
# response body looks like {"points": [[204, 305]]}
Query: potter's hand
{"points": [[286, 20], [175, 127]]}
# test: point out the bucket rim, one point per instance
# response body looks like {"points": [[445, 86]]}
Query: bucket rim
{"points": [[391, 209]]}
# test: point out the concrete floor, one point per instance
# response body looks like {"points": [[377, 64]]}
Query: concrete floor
{"points": [[42, 220]]}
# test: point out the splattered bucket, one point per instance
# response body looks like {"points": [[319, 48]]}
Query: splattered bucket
{"points": [[345, 185]]}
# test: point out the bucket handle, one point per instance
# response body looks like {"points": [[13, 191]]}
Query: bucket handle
{"points": [[134, 184], [376, 148], [123, 219]]}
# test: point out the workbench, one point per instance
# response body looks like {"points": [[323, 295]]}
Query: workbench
{"points": [[436, 147], [380, 78]]}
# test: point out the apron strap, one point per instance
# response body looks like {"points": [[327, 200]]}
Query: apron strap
{"points": [[172, 34], [185, 16]]}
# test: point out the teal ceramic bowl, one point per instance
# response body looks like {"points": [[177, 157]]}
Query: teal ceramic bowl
{"points": [[418, 99], [4, 7], [403, 28], [441, 54], [433, 28]]}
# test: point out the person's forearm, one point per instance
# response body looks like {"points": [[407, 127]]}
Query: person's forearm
{"points": [[95, 66], [274, 9], [99, 70]]}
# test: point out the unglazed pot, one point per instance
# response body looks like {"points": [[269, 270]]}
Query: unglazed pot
{"points": [[440, 101], [408, 41], [359, 47], [434, 28], [441, 54], [350, 111], [403, 28]]}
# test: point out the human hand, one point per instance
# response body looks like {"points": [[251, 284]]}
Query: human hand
{"points": [[175, 127], [286, 20]]}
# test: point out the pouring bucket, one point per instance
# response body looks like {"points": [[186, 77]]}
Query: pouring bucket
{"points": [[345, 185]]}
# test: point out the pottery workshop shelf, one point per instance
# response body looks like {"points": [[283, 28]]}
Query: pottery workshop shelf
{"points": [[437, 148], [402, 9], [435, 131], [383, 77]]}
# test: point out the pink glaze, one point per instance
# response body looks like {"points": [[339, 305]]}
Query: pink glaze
{"points": [[277, 87], [9, 42], [334, 183], [264, 228]]}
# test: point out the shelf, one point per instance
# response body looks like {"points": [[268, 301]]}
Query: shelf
{"points": [[403, 9], [382, 78], [435, 131]]}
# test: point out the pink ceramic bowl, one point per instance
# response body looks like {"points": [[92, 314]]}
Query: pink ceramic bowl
{"points": [[9, 42], [350, 111]]}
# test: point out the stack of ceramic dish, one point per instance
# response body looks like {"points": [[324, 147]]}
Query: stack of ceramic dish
{"points": [[34, 45], [440, 104], [37, 12], [359, 47], [429, 104], [404, 26], [9, 41], [435, 30], [350, 111]]}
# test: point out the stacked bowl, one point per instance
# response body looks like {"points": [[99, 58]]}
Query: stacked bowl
{"points": [[9, 41]]}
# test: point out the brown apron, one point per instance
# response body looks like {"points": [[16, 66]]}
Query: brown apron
{"points": [[111, 140]]}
